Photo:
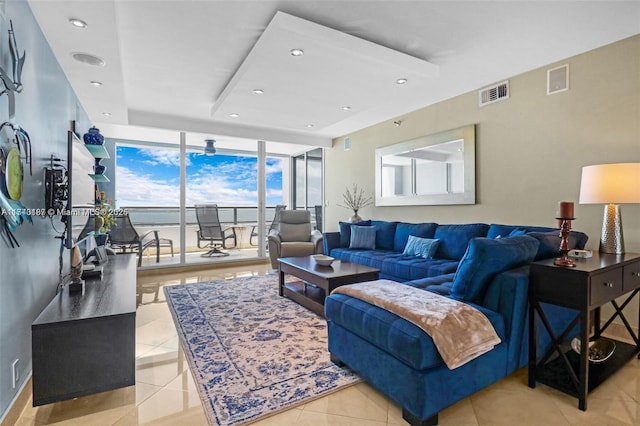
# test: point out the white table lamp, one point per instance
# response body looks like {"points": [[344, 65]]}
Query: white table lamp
{"points": [[611, 184]]}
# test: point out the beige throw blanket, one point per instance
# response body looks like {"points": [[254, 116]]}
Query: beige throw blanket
{"points": [[459, 331]]}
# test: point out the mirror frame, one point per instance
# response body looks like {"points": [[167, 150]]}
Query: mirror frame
{"points": [[468, 196]]}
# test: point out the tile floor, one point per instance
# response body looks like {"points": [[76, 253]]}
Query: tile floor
{"points": [[165, 395]]}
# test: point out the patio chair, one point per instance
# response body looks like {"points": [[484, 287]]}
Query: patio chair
{"points": [[211, 231], [318, 210], [123, 237], [274, 224]]}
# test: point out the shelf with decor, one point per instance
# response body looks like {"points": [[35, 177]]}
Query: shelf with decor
{"points": [[98, 151], [99, 177]]}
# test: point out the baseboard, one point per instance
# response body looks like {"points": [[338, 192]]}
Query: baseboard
{"points": [[17, 406]]}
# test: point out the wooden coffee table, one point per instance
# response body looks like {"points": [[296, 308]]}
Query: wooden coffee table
{"points": [[323, 279]]}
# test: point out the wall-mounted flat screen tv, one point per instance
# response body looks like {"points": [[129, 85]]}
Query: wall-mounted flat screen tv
{"points": [[81, 192]]}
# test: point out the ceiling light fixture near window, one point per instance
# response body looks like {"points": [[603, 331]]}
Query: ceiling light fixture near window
{"points": [[346, 108], [95, 83], [106, 114], [401, 81], [209, 149], [258, 91], [234, 115], [309, 126], [89, 59], [78, 23], [297, 52]]}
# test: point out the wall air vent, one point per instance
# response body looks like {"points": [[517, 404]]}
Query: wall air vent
{"points": [[495, 93]]}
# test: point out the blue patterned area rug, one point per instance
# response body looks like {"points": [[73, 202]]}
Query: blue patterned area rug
{"points": [[252, 353]]}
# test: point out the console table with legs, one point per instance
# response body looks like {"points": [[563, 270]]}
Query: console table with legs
{"points": [[592, 283]]}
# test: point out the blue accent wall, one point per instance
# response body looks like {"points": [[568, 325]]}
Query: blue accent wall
{"points": [[29, 274]]}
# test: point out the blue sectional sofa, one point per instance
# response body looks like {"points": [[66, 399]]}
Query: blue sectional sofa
{"points": [[479, 264]]}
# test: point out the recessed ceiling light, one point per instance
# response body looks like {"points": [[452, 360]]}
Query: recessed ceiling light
{"points": [[309, 126], [346, 108], [95, 83], [234, 115], [297, 52], [258, 91], [78, 23], [401, 81], [88, 58], [106, 114]]}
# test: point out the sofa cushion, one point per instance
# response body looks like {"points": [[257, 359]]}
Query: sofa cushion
{"points": [[345, 231], [363, 237], [550, 243], [497, 230], [440, 284], [403, 230], [372, 258], [487, 257], [455, 238], [391, 333], [385, 234], [400, 267], [421, 247]]}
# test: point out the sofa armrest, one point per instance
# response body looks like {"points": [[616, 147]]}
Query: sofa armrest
{"points": [[330, 241]]}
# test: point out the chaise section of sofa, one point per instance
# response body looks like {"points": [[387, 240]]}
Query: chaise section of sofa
{"points": [[490, 274]]}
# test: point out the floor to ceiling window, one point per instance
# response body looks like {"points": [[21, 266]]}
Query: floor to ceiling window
{"points": [[147, 180], [307, 192]]}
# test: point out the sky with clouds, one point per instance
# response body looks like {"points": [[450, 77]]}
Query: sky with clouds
{"points": [[151, 177]]}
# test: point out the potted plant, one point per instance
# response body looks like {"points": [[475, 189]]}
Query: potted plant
{"points": [[355, 199]]}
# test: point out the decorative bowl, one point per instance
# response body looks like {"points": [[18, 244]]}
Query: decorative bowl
{"points": [[599, 350], [323, 260]]}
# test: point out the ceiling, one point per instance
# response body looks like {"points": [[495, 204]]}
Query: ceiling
{"points": [[192, 65]]}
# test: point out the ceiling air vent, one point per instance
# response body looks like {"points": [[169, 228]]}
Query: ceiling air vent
{"points": [[496, 93]]}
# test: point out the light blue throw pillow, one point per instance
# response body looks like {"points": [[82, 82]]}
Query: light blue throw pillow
{"points": [[363, 237], [422, 247]]}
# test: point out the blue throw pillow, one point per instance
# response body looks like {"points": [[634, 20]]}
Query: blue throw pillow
{"points": [[403, 230], [385, 232], [485, 258], [517, 232], [345, 231], [455, 238], [363, 237], [422, 247]]}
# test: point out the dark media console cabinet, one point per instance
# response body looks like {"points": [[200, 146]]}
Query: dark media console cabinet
{"points": [[84, 343]]}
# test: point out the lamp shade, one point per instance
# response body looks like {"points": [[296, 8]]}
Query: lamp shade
{"points": [[209, 149], [617, 183]]}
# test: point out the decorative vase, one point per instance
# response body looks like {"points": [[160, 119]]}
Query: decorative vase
{"points": [[99, 168], [93, 137], [98, 223], [101, 239], [355, 218]]}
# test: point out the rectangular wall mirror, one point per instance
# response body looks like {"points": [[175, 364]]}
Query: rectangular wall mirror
{"points": [[436, 169]]}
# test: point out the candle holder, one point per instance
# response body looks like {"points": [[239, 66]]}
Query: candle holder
{"points": [[565, 227]]}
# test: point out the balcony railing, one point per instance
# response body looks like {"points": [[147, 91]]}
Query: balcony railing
{"points": [[166, 220]]}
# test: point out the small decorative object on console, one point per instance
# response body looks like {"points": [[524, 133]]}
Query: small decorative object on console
{"points": [[77, 283], [581, 254], [323, 260], [565, 216]]}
